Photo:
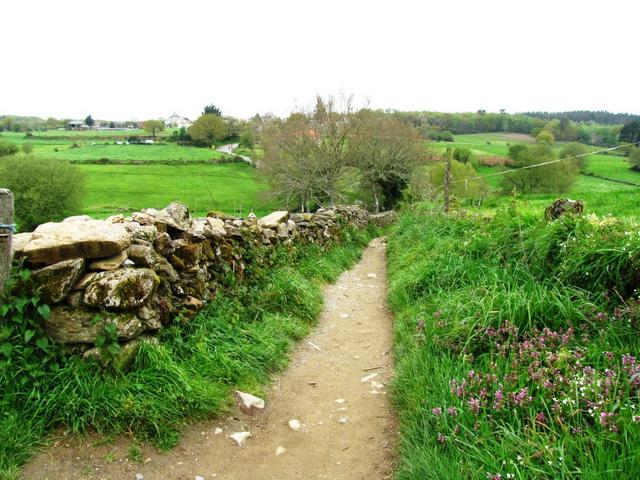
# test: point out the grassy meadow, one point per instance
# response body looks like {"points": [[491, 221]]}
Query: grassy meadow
{"points": [[515, 341], [228, 187]]}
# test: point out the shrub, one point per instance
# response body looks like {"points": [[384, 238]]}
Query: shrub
{"points": [[446, 136], [27, 148], [44, 190], [462, 155], [7, 148]]}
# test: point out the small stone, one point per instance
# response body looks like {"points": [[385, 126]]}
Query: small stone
{"points": [[343, 420], [371, 275], [110, 263], [341, 400], [139, 476], [218, 431], [344, 315], [280, 450], [295, 425], [248, 403], [368, 377], [199, 477], [377, 385], [240, 437]]}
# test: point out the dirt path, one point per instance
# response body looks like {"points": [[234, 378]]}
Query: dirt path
{"points": [[335, 386]]}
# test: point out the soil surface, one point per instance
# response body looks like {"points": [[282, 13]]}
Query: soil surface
{"points": [[335, 386]]}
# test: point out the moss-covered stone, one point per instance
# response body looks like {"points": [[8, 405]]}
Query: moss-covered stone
{"points": [[57, 280], [121, 289]]}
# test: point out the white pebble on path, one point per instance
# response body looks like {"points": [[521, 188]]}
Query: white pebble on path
{"points": [[295, 425], [240, 437], [368, 377], [280, 450]]}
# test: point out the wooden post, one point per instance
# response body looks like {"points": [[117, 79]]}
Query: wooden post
{"points": [[447, 179], [6, 218]]}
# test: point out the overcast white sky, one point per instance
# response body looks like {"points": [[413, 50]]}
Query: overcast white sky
{"points": [[140, 59]]}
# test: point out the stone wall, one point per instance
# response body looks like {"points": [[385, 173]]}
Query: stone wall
{"points": [[140, 272]]}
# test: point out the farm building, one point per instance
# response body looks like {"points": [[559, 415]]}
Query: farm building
{"points": [[176, 121], [77, 125]]}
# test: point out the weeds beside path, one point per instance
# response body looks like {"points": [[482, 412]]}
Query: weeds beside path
{"points": [[517, 346]]}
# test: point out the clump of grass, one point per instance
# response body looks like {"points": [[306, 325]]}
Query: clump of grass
{"points": [[239, 341], [516, 343]]}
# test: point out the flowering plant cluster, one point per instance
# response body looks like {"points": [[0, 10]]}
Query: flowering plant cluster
{"points": [[548, 380]]}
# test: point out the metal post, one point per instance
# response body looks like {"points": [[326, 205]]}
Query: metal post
{"points": [[447, 180], [6, 231]]}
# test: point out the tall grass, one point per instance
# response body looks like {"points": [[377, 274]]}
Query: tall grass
{"points": [[239, 341], [515, 351]]}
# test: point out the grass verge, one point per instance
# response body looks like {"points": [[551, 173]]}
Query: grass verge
{"points": [[516, 343], [239, 341]]}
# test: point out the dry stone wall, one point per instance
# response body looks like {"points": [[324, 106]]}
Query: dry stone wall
{"points": [[140, 272]]}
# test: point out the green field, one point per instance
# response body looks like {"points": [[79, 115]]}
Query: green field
{"points": [[231, 188], [601, 196], [83, 150]]}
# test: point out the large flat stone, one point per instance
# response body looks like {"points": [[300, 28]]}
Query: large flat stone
{"points": [[69, 325], [274, 219], [55, 242], [121, 289]]}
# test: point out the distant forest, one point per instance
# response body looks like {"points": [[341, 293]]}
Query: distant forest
{"points": [[602, 117]]}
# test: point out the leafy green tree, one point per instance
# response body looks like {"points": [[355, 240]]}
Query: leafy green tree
{"points": [[208, 128], [575, 149], [630, 132], [634, 158], [153, 126], [181, 137], [212, 110], [247, 140], [519, 154], [89, 121], [44, 190], [546, 138], [555, 177]]}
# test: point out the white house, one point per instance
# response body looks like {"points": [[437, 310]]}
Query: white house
{"points": [[176, 121]]}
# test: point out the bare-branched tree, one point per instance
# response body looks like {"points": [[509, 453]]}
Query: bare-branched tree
{"points": [[306, 153]]}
